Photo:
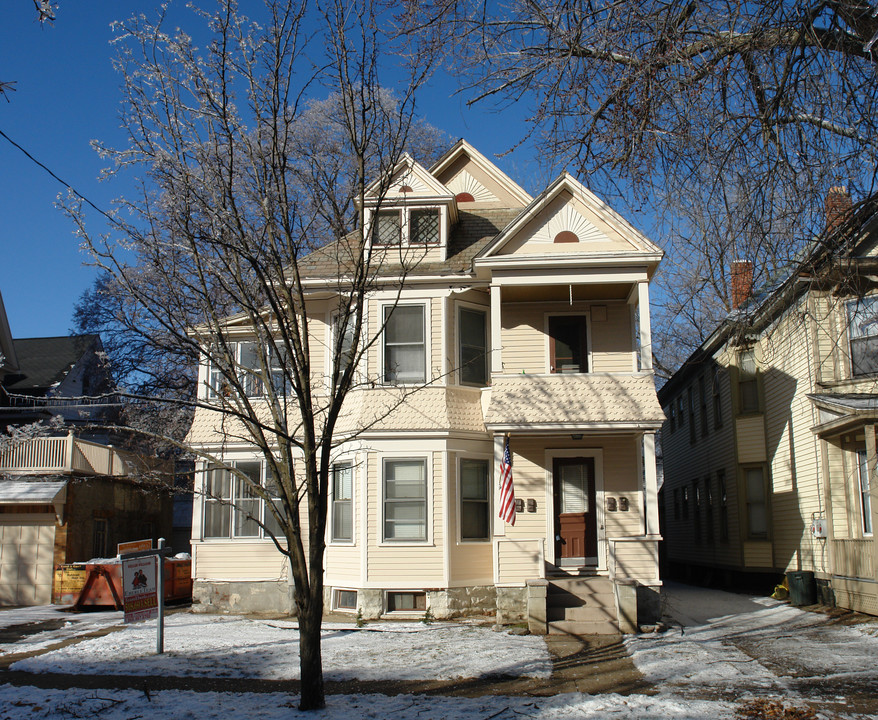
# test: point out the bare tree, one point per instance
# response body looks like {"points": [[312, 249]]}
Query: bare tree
{"points": [[238, 189], [745, 112]]}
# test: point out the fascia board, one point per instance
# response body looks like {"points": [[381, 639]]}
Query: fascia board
{"points": [[545, 428]]}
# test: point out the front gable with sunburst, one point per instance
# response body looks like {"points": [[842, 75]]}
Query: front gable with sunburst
{"points": [[475, 181], [568, 219]]}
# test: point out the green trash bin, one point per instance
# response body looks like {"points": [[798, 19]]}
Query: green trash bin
{"points": [[803, 589]]}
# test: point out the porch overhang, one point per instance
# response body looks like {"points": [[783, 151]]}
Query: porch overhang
{"points": [[574, 403], [840, 413]]}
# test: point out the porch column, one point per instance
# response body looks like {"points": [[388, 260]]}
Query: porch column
{"points": [[645, 329], [496, 345], [650, 490]]}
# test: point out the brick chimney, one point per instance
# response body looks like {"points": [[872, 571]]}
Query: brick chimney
{"points": [[742, 282], [837, 204]]}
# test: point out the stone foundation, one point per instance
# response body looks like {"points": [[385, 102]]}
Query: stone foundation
{"points": [[511, 605], [275, 597], [649, 604]]}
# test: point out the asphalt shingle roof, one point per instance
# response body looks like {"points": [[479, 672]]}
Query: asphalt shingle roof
{"points": [[43, 362]]}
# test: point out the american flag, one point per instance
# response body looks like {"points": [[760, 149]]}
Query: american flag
{"points": [[507, 492]]}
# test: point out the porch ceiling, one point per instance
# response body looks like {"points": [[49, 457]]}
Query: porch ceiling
{"points": [[606, 401]]}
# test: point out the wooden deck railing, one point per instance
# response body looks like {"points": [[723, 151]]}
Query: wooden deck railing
{"points": [[66, 454], [853, 558]]}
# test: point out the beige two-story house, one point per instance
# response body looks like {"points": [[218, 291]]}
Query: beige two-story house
{"points": [[769, 442], [523, 319]]}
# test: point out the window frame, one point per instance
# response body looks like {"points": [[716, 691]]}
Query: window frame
{"points": [[426, 539], [334, 539], [425, 344], [866, 306], [484, 312], [586, 361], [748, 381], [488, 504]]}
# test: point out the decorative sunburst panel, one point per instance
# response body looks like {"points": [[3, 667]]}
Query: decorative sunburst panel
{"points": [[466, 183], [569, 219]]}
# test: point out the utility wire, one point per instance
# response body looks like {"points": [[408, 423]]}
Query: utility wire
{"points": [[67, 185]]}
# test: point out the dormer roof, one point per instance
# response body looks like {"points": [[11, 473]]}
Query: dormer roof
{"points": [[409, 180]]}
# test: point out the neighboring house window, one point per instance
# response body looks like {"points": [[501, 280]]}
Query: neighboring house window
{"points": [[747, 388], [672, 416], [342, 502], [723, 506], [690, 401], [473, 356], [717, 400], [232, 507], [757, 504], [681, 413], [863, 324], [865, 493], [474, 500], [708, 502], [676, 503], [405, 349], [696, 495], [405, 500], [685, 503], [568, 347], [702, 399], [100, 538]]}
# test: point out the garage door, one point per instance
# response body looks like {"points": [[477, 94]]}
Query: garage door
{"points": [[27, 544]]}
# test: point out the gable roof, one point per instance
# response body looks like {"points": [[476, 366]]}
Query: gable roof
{"points": [[45, 362], [465, 181], [408, 172], [603, 220]]}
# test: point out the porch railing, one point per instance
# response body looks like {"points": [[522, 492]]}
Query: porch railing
{"points": [[853, 558], [66, 454]]}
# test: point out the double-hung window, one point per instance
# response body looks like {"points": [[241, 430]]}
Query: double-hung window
{"points": [[248, 369], [863, 333], [405, 500], [473, 357], [474, 500], [865, 493], [568, 344], [405, 351], [345, 348], [757, 503], [747, 388], [342, 524]]}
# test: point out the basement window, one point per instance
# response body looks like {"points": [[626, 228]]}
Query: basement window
{"points": [[406, 602], [345, 599]]}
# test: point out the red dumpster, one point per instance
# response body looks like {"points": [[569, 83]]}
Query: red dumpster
{"points": [[103, 583]]}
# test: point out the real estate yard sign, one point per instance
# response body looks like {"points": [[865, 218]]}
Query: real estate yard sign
{"points": [[140, 592]]}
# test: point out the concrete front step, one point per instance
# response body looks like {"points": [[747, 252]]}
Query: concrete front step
{"points": [[582, 614], [569, 627]]}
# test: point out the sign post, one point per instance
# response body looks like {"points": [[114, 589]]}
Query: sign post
{"points": [[143, 587]]}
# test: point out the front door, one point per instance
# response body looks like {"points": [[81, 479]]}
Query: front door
{"points": [[576, 531]]}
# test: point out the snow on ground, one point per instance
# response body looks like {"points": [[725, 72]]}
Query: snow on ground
{"points": [[727, 640], [38, 704], [216, 646], [70, 625]]}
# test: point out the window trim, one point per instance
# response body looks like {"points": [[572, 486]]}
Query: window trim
{"points": [[424, 304], [486, 312], [428, 504], [550, 341], [489, 500]]}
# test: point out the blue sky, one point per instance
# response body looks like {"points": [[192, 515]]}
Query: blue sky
{"points": [[67, 95]]}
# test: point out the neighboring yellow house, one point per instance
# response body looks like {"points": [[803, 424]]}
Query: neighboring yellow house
{"points": [[527, 318], [769, 446]]}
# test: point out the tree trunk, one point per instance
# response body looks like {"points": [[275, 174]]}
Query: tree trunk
{"points": [[312, 696]]}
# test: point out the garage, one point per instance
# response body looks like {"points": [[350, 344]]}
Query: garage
{"points": [[27, 541]]}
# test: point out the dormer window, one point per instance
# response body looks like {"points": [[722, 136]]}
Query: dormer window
{"points": [[407, 226]]}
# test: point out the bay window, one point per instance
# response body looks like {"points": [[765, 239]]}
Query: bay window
{"points": [[232, 508]]}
